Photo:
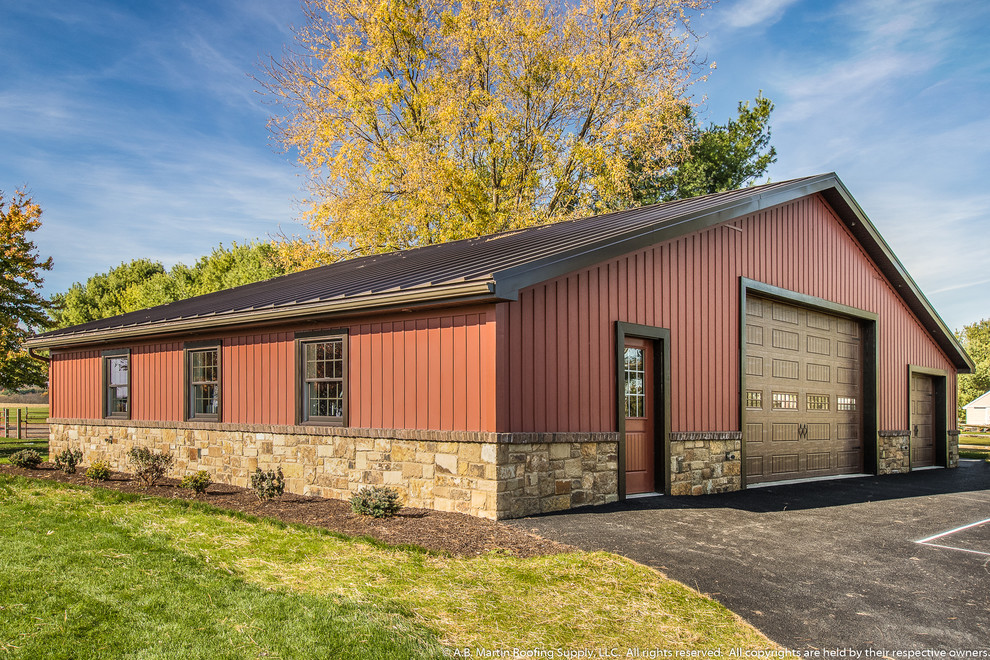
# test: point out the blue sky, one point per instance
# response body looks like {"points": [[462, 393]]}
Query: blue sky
{"points": [[137, 127]]}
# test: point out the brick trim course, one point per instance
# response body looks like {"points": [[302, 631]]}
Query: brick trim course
{"points": [[350, 432], [686, 436]]}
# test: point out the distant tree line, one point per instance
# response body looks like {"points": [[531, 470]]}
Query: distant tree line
{"points": [[975, 339], [143, 283]]}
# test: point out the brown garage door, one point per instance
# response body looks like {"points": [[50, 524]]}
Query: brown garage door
{"points": [[804, 384], [922, 422]]}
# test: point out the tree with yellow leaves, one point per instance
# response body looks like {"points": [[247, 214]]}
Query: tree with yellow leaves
{"points": [[22, 307], [424, 121]]}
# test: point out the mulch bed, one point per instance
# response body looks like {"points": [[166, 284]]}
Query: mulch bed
{"points": [[455, 533]]}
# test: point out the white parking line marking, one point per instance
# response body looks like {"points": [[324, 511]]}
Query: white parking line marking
{"points": [[953, 531], [949, 547]]}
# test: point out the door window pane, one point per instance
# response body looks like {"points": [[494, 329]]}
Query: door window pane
{"points": [[635, 379]]}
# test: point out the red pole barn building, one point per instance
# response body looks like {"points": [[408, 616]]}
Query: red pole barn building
{"points": [[699, 346]]}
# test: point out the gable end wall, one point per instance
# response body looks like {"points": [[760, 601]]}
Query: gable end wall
{"points": [[556, 343]]}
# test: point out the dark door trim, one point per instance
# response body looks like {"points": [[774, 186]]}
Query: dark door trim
{"points": [[661, 396], [940, 415], [871, 357]]}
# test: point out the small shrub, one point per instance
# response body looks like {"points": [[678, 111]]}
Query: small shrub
{"points": [[150, 466], [67, 460], [199, 482], [98, 471], [268, 484], [25, 458], [377, 502]]}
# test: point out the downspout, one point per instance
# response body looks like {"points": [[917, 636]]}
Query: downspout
{"points": [[46, 360]]}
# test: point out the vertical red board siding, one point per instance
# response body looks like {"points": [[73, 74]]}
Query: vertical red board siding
{"points": [[430, 371], [156, 381], [459, 372], [228, 372], [434, 372], [434, 369], [378, 371], [397, 346], [421, 337], [410, 410], [446, 372], [552, 366], [690, 286], [77, 382], [505, 398]]}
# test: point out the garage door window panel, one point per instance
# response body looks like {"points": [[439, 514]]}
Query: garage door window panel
{"points": [[785, 401], [818, 402]]}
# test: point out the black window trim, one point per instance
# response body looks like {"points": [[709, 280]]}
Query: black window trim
{"points": [[314, 337], [188, 348], [105, 357]]}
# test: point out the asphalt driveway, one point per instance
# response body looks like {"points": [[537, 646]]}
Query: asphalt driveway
{"points": [[833, 564]]}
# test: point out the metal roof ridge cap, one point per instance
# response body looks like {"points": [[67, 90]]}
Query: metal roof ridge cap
{"points": [[762, 200]]}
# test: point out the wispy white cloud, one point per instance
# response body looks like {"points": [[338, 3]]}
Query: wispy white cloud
{"points": [[142, 137], [964, 285], [887, 93], [747, 13]]}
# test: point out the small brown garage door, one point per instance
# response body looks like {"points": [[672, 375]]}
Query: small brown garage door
{"points": [[922, 422], [804, 393]]}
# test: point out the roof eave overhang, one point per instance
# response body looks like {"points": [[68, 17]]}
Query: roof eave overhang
{"points": [[856, 220], [510, 281], [459, 293]]}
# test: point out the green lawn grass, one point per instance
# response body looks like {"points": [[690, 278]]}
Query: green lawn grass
{"points": [[9, 446], [982, 451], [30, 413], [968, 439], [95, 573], [78, 578]]}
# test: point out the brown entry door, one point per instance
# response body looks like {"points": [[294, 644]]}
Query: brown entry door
{"points": [[922, 421], [640, 414]]}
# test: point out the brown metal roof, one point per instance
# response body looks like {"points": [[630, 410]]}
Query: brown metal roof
{"points": [[491, 267]]}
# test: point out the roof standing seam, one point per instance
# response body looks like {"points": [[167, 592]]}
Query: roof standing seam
{"points": [[422, 268]]}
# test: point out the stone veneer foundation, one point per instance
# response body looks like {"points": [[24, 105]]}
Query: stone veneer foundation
{"points": [[702, 463], [894, 452], [952, 447], [492, 475]]}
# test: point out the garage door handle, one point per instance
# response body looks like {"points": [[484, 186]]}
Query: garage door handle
{"points": [[916, 430]]}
